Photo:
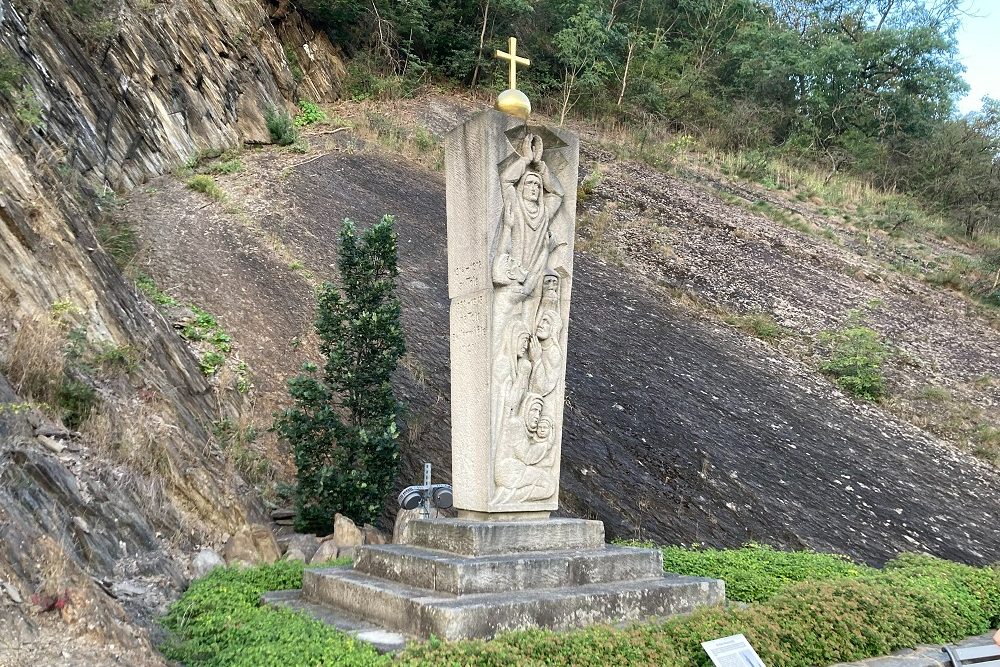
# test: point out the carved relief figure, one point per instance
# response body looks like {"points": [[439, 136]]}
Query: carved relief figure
{"points": [[527, 324]]}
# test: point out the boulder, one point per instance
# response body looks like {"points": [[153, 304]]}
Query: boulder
{"points": [[328, 550], [372, 535], [346, 533], [250, 545], [295, 553], [266, 545], [307, 544], [204, 562]]}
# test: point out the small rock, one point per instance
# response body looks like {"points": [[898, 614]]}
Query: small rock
{"points": [[12, 592], [204, 562], [267, 546], [54, 446], [79, 522], [328, 550], [307, 544], [345, 532], [127, 588], [283, 514], [294, 553], [372, 535], [346, 552]]}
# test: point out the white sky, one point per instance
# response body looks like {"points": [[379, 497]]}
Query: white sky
{"points": [[979, 50]]}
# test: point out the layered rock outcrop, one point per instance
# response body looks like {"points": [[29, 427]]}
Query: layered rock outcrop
{"points": [[95, 98]]}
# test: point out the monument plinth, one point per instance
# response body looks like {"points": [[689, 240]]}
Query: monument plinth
{"points": [[510, 276]]}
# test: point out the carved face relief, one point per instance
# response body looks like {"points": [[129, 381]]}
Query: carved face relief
{"points": [[532, 187], [543, 330], [550, 284], [544, 429], [523, 340], [534, 414]]}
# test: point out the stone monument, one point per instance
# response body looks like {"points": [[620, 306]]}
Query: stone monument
{"points": [[503, 564]]}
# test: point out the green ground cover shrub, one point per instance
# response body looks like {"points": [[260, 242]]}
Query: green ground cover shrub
{"points": [[856, 613], [805, 609], [757, 572], [218, 622], [281, 127], [309, 114]]}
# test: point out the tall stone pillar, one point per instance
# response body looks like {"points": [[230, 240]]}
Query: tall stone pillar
{"points": [[511, 191]]}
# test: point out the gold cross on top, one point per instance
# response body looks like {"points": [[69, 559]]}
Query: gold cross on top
{"points": [[513, 59]]}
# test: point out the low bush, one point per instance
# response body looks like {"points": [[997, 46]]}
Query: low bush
{"points": [[281, 127], [855, 357], [309, 114]]}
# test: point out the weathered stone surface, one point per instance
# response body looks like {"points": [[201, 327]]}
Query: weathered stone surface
{"points": [[477, 538], [328, 550], [307, 544], [346, 533], [294, 553], [265, 543], [401, 527], [420, 612], [372, 535], [510, 268], [461, 575], [204, 562], [250, 545]]}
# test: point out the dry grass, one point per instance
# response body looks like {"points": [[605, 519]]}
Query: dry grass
{"points": [[34, 360], [134, 435]]}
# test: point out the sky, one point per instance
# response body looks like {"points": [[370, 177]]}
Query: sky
{"points": [[979, 51]]}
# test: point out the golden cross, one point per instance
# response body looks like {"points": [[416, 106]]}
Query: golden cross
{"points": [[513, 59]]}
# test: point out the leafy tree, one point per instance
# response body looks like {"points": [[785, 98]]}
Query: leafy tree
{"points": [[580, 47], [342, 426]]}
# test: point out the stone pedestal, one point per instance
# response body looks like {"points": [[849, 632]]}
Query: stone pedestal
{"points": [[459, 579]]}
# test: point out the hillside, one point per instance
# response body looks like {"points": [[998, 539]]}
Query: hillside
{"points": [[147, 328], [679, 427]]}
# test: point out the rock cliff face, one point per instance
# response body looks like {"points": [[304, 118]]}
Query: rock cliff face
{"points": [[95, 98]]}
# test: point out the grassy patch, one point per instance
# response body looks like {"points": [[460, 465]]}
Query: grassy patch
{"points": [[804, 609], [207, 185], [218, 622], [761, 325]]}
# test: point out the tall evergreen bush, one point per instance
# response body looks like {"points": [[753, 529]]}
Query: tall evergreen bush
{"points": [[342, 425]]}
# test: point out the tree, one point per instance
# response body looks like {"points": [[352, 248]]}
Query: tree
{"points": [[580, 47], [342, 426]]}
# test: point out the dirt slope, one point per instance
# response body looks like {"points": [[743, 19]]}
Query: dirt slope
{"points": [[677, 429]]}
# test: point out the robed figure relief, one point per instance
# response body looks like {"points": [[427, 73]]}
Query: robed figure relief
{"points": [[527, 325]]}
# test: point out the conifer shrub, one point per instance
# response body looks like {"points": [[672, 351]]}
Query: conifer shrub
{"points": [[281, 127], [342, 426]]}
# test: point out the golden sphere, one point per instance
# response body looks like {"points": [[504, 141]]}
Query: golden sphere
{"points": [[515, 103]]}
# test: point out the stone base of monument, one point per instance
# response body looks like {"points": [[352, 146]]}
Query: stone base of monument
{"points": [[461, 579]]}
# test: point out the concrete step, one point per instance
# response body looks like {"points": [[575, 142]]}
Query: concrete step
{"points": [[421, 612], [383, 640], [461, 575], [480, 538]]}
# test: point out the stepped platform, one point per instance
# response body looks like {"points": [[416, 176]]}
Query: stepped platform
{"points": [[460, 579]]}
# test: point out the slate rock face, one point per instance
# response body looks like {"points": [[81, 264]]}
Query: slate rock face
{"points": [[675, 430]]}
